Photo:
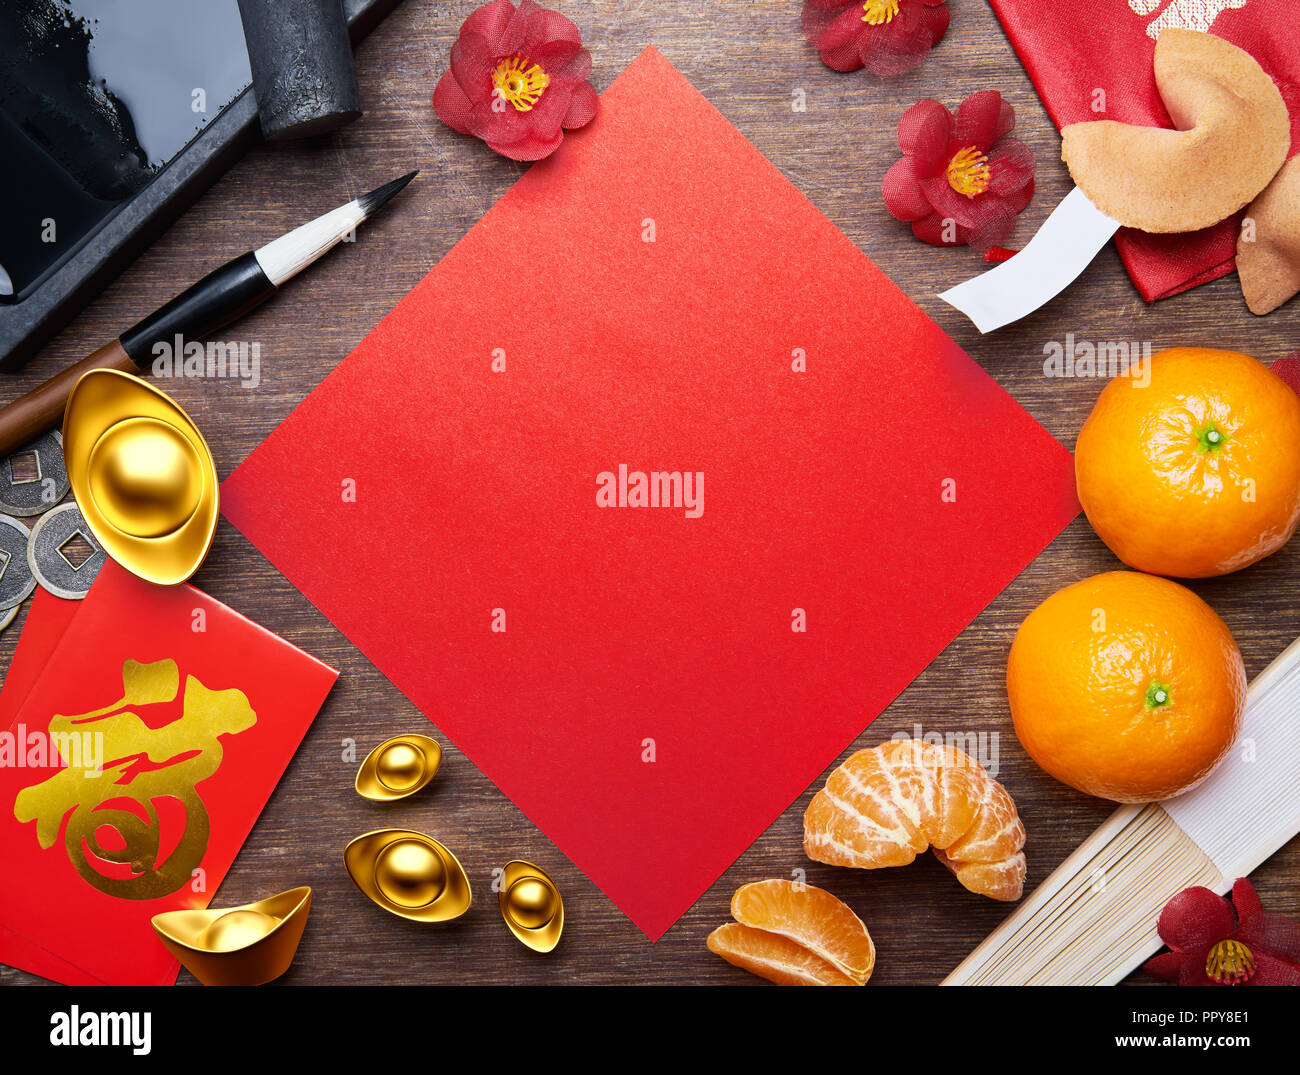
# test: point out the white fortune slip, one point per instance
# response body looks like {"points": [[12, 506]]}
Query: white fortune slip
{"points": [[1093, 920], [1063, 247]]}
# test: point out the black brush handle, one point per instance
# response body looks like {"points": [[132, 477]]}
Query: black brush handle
{"points": [[219, 298]]}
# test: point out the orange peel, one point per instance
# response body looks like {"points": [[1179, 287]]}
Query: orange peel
{"points": [[1231, 134], [1268, 246]]}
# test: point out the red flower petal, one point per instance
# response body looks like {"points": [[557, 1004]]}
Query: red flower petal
{"points": [[968, 212], [547, 27], [834, 33], [1018, 200], [997, 220], [1193, 969], [582, 107], [1167, 965], [903, 43], [472, 65], [556, 56], [819, 16], [532, 147], [1275, 934], [454, 108], [576, 67], [516, 31], [1194, 920], [982, 119], [1245, 899], [902, 192], [1288, 368], [936, 17], [923, 135], [936, 231], [510, 127], [1272, 971], [489, 21], [1011, 167]]}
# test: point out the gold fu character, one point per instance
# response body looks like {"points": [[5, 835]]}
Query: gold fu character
{"points": [[144, 768]]}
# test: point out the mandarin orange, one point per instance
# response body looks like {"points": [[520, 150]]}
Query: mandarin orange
{"points": [[1126, 686], [1196, 473]]}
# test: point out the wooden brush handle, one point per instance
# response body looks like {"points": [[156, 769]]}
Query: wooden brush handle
{"points": [[29, 416]]}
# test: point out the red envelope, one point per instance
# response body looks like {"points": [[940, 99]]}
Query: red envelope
{"points": [[1072, 51], [46, 621], [192, 713], [653, 685]]}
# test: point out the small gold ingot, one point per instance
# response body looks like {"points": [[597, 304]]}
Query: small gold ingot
{"points": [[246, 945], [409, 874], [531, 905], [142, 475], [398, 767]]}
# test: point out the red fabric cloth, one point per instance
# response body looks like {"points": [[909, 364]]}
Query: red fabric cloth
{"points": [[1073, 50]]}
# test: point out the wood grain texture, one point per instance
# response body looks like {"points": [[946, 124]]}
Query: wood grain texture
{"points": [[747, 57]]}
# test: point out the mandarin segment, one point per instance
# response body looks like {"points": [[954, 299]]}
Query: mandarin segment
{"points": [[812, 918], [885, 805], [774, 957]]}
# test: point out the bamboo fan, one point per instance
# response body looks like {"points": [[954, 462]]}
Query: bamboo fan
{"points": [[1094, 919]]}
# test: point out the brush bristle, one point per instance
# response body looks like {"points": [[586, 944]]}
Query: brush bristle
{"points": [[371, 202]]}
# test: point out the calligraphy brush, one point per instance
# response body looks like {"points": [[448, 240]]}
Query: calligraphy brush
{"points": [[221, 297]]}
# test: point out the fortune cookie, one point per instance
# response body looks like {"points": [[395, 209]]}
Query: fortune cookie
{"points": [[1268, 246], [1231, 135]]}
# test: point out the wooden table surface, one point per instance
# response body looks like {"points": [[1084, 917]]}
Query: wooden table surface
{"points": [[747, 57]]}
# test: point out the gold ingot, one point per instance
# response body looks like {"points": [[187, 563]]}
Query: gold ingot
{"points": [[246, 945], [531, 905], [142, 475], [409, 874], [398, 767]]}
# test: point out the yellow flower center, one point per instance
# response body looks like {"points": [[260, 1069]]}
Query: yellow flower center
{"points": [[877, 12], [1229, 963], [520, 81], [968, 172]]}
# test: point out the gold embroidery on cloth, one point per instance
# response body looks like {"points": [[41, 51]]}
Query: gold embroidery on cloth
{"points": [[1196, 15]]}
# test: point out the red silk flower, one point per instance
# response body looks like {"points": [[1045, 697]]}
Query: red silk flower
{"points": [[1211, 945], [887, 37], [518, 80], [961, 180]]}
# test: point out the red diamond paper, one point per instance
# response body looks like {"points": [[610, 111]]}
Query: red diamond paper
{"points": [[652, 290]]}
